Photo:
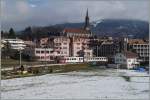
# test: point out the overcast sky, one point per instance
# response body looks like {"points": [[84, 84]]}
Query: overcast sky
{"points": [[22, 13]]}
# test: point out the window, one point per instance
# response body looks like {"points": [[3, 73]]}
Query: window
{"points": [[58, 44], [42, 57], [51, 57], [65, 43], [64, 47], [47, 51], [80, 58], [78, 47], [37, 51], [117, 60], [38, 57], [74, 58], [78, 43], [42, 51]]}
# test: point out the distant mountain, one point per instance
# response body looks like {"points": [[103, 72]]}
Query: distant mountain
{"points": [[104, 27], [135, 28], [115, 27]]}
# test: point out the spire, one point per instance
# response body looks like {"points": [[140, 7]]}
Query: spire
{"points": [[87, 16], [86, 27]]}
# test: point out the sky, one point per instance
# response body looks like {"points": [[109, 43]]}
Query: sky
{"points": [[20, 14]]}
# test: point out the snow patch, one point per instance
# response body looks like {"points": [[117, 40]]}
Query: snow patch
{"points": [[95, 23], [77, 85]]}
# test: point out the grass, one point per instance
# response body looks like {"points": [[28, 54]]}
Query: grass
{"points": [[11, 62], [36, 71]]}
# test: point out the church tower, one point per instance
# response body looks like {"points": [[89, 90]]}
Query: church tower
{"points": [[87, 24]]}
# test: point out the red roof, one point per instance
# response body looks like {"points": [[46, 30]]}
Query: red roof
{"points": [[73, 30], [130, 54]]}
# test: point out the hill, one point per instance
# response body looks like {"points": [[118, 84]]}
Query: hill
{"points": [[104, 27]]}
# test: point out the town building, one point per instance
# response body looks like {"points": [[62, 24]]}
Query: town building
{"points": [[30, 44], [140, 47], [61, 46], [44, 54], [80, 47], [104, 47], [79, 32], [73, 32], [16, 44], [127, 60]]}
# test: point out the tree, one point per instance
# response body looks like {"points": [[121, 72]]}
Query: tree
{"points": [[6, 50], [11, 33]]}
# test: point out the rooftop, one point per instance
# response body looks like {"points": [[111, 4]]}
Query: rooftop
{"points": [[75, 30], [137, 41], [130, 54]]}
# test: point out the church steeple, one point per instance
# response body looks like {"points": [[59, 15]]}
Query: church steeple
{"points": [[87, 24]]}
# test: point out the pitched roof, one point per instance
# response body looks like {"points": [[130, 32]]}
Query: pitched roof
{"points": [[130, 54], [74, 30], [136, 41]]}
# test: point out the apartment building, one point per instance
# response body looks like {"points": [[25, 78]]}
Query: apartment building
{"points": [[140, 47], [16, 44], [80, 47], [44, 54], [61, 46], [104, 47]]}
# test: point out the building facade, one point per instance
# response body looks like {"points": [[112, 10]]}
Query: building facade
{"points": [[140, 47], [44, 54], [61, 46], [127, 60], [16, 44], [80, 47], [105, 47]]}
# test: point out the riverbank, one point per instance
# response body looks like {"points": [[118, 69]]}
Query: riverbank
{"points": [[42, 70]]}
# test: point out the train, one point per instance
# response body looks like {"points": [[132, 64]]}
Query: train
{"points": [[82, 59]]}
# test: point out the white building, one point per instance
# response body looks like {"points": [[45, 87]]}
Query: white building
{"points": [[61, 46], [141, 48], [127, 59], [44, 54], [17, 44]]}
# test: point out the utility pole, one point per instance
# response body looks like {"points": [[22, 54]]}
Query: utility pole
{"points": [[20, 56], [45, 56]]}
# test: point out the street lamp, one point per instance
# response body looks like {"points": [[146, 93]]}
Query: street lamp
{"points": [[20, 56]]}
